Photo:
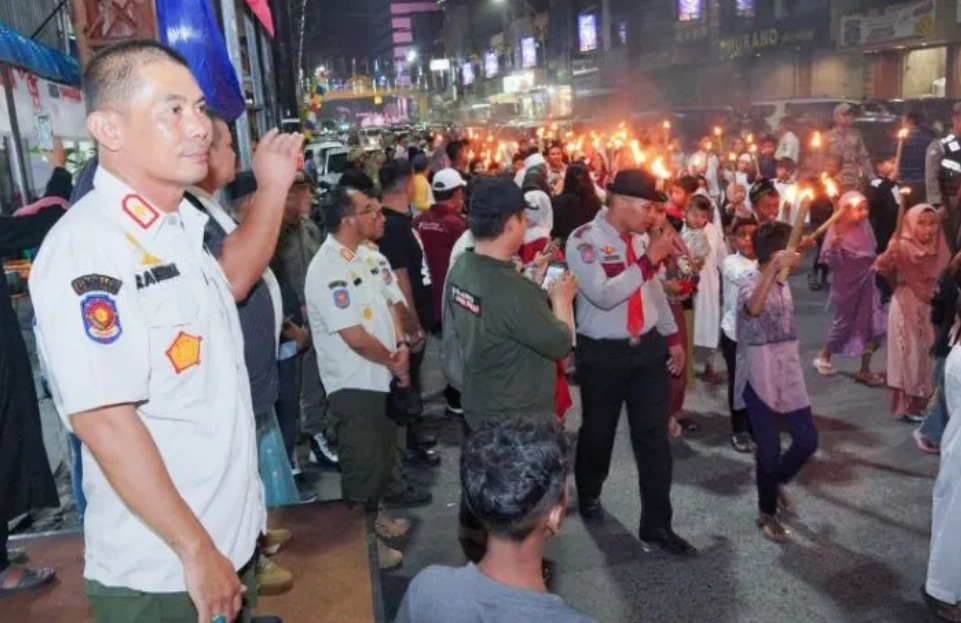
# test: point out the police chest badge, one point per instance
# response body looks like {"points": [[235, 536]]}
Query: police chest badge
{"points": [[100, 318], [184, 352]]}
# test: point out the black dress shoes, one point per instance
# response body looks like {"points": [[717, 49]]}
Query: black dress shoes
{"points": [[591, 509], [669, 542]]}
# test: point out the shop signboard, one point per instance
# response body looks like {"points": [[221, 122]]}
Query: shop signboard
{"points": [[38, 102], [906, 21], [767, 39]]}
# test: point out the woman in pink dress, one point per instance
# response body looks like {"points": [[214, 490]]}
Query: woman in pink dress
{"points": [[913, 264]]}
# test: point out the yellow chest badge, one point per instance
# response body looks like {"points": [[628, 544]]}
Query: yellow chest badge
{"points": [[368, 314], [184, 352]]}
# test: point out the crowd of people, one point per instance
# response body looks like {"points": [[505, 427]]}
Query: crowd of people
{"points": [[221, 320]]}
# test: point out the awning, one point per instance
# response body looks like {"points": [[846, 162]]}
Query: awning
{"points": [[37, 58]]}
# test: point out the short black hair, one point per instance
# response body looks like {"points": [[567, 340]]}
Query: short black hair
{"points": [[554, 145], [358, 180], [762, 188], [309, 153], [111, 75], [702, 203], [419, 162], [787, 163], [445, 195], [339, 207], [687, 183], [517, 157], [454, 149], [513, 473], [770, 238], [742, 222], [529, 151], [915, 115], [393, 175]]}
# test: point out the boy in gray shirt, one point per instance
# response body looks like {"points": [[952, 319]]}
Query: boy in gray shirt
{"points": [[514, 479]]}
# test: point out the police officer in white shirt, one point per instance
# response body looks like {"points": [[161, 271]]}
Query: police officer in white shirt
{"points": [[351, 295], [627, 344], [138, 330]]}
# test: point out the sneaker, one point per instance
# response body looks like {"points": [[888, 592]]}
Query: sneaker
{"points": [[295, 470], [912, 419], [321, 452], [741, 442], [273, 540], [454, 410], [272, 579], [387, 528], [388, 557]]}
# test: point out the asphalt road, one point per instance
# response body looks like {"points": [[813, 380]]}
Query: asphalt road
{"points": [[860, 543]]}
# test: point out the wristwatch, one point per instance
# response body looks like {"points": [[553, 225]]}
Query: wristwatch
{"points": [[403, 343]]}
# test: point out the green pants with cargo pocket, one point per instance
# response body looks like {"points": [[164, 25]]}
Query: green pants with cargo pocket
{"points": [[366, 444]]}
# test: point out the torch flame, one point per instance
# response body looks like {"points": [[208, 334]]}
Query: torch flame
{"points": [[753, 149], [905, 191], [658, 169], [638, 154], [732, 157], [902, 134], [816, 141], [790, 194], [667, 125], [750, 138], [807, 194], [829, 186], [717, 130]]}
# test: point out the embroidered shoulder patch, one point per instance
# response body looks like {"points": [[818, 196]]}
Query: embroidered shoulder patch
{"points": [[341, 298], [587, 252], [101, 321], [608, 250], [95, 283], [465, 299], [141, 212]]}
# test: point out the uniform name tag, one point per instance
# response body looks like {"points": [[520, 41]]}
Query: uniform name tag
{"points": [[156, 275], [95, 283], [466, 300]]}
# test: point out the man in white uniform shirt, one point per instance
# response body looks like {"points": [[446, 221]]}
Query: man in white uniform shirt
{"points": [[137, 327], [351, 294]]}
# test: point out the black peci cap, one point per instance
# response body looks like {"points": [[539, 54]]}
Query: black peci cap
{"points": [[762, 187], [636, 183], [497, 196]]}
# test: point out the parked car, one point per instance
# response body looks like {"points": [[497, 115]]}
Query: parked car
{"points": [[935, 110]]}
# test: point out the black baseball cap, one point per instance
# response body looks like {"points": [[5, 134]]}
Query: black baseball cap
{"points": [[636, 183], [498, 196]]}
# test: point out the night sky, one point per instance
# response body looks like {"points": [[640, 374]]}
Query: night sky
{"points": [[338, 30]]}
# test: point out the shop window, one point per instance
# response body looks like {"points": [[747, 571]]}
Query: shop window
{"points": [[924, 73]]}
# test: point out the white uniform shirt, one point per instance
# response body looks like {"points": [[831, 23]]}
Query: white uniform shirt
{"points": [[788, 147], [734, 268], [785, 190], [345, 289], [130, 308]]}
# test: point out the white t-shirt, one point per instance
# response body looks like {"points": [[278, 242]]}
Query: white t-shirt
{"points": [[131, 309], [344, 289], [734, 269]]}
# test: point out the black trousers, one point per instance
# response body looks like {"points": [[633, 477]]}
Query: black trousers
{"points": [[4, 537], [288, 402], [740, 422], [611, 373]]}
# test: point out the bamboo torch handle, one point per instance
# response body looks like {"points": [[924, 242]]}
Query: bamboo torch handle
{"points": [[795, 236]]}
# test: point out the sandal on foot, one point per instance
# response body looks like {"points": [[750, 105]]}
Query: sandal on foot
{"points": [[925, 444], [30, 579], [870, 379], [824, 368], [772, 529], [940, 609]]}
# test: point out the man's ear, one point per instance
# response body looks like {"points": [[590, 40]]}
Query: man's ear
{"points": [[105, 128], [555, 520]]}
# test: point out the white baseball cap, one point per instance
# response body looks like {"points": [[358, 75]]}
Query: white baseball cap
{"points": [[447, 180]]}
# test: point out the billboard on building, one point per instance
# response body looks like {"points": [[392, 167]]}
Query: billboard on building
{"points": [[467, 73], [690, 10], [916, 19], [491, 66], [528, 52], [587, 31]]}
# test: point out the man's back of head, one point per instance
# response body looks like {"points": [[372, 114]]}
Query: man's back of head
{"points": [[495, 204]]}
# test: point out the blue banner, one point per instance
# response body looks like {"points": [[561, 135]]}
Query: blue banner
{"points": [[190, 27], [37, 58]]}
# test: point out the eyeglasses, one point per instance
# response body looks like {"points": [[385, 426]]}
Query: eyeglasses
{"points": [[377, 213]]}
